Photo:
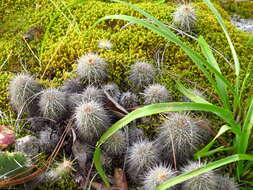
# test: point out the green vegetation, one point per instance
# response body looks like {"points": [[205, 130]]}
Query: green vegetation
{"points": [[232, 109], [243, 9], [63, 44], [62, 33]]}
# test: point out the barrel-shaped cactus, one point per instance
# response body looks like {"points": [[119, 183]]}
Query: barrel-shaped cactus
{"points": [[91, 68], [24, 90], [91, 120]]}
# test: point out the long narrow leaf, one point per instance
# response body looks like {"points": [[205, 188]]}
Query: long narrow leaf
{"points": [[98, 165], [247, 128], [234, 54], [159, 108], [222, 89], [224, 28], [189, 94], [219, 149], [171, 107], [222, 130], [206, 168]]}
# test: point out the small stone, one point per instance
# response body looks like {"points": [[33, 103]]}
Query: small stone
{"points": [[28, 145]]}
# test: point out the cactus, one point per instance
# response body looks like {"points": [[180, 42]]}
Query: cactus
{"points": [[93, 93], [53, 104], [226, 183], [105, 44], [156, 93], [141, 156], [74, 100], [23, 91], [91, 68], [180, 136], [12, 163], [156, 176], [113, 90], [91, 120], [141, 74], [116, 144], [63, 169], [185, 17], [135, 134], [206, 181], [128, 100], [72, 85]]}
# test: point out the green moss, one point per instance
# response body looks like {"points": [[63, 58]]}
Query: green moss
{"points": [[66, 40], [4, 81], [244, 9], [61, 51], [64, 183]]}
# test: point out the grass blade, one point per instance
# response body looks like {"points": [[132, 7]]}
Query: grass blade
{"points": [[222, 89], [247, 128], [189, 94], [206, 168], [224, 28], [98, 165], [222, 130], [234, 54], [171, 107], [219, 149]]}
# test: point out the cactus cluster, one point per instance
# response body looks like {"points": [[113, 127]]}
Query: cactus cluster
{"points": [[90, 102]]}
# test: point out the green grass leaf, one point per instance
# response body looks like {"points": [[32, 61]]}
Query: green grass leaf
{"points": [[206, 168], [189, 94], [203, 151], [247, 128], [234, 54], [224, 28], [221, 86]]}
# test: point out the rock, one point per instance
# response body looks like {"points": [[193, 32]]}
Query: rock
{"points": [[28, 145], [243, 24]]}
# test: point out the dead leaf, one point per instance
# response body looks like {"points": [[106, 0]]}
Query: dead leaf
{"points": [[120, 182], [7, 136]]}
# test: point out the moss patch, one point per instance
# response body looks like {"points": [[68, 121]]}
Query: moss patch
{"points": [[244, 9], [70, 35]]}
